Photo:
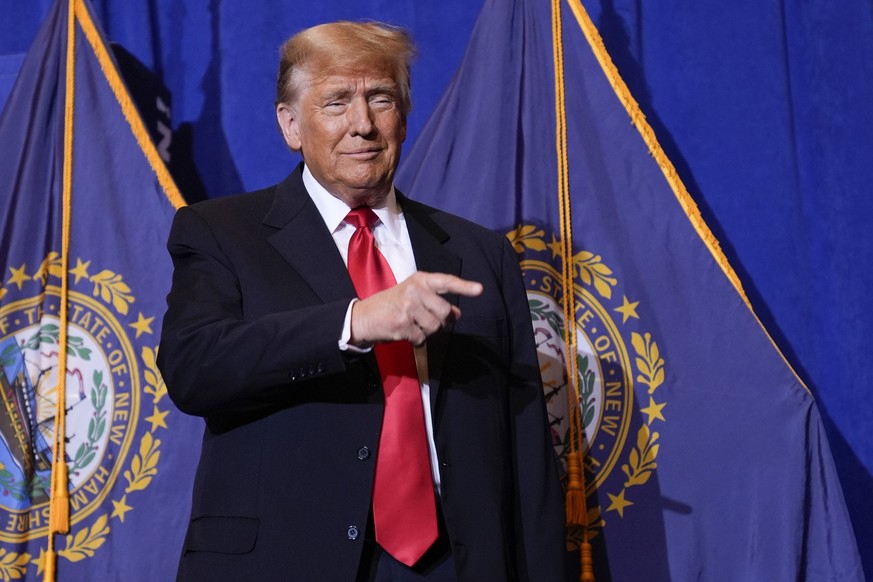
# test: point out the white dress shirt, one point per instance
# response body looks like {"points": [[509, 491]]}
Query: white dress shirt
{"points": [[392, 240]]}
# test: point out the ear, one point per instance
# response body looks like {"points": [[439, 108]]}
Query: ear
{"points": [[286, 116]]}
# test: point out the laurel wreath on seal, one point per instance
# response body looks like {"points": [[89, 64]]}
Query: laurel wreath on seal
{"points": [[96, 426], [143, 467], [19, 489], [13, 565], [651, 373], [590, 269], [111, 288]]}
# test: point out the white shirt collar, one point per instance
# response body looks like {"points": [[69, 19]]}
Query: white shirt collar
{"points": [[333, 210]]}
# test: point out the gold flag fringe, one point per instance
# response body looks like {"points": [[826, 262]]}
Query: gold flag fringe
{"points": [[692, 212], [128, 109], [77, 13], [59, 508]]}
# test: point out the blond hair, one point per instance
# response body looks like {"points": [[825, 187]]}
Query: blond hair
{"points": [[346, 46]]}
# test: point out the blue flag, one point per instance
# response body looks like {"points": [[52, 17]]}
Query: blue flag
{"points": [[704, 454], [130, 455]]}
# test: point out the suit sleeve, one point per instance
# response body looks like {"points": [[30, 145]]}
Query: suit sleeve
{"points": [[539, 498], [213, 359]]}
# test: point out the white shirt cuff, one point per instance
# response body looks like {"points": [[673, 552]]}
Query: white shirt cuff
{"points": [[347, 333]]}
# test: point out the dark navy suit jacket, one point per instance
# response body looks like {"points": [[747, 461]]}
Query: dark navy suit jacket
{"points": [[283, 486]]}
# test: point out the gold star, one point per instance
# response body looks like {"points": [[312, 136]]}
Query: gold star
{"points": [[39, 561], [654, 410], [81, 270], [142, 325], [19, 276], [555, 246], [618, 503], [628, 309], [157, 418], [120, 508]]}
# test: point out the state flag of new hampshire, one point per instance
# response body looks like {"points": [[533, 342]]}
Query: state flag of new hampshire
{"points": [[704, 454], [86, 206]]}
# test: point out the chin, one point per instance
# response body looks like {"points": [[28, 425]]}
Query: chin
{"points": [[368, 182]]}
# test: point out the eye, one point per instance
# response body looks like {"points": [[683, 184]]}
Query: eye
{"points": [[335, 107], [381, 101]]}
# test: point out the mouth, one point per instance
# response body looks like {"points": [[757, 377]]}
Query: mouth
{"points": [[363, 154]]}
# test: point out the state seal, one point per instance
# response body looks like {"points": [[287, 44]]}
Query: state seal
{"points": [[112, 382], [619, 368]]}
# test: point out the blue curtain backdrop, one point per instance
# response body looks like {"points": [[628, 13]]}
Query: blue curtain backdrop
{"points": [[763, 106]]}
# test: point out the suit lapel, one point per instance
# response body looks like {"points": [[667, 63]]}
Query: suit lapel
{"points": [[305, 242], [428, 239]]}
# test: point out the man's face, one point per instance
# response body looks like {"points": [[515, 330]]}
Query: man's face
{"points": [[349, 128]]}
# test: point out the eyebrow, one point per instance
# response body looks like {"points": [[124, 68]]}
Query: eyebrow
{"points": [[388, 88], [337, 93]]}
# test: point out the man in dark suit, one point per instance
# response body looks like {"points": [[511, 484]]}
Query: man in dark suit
{"points": [[278, 336]]}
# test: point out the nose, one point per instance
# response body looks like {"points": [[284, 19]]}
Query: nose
{"points": [[360, 118]]}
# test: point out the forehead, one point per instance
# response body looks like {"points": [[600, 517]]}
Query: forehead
{"points": [[350, 81], [347, 64]]}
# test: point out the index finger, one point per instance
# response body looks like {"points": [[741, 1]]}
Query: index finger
{"points": [[444, 283]]}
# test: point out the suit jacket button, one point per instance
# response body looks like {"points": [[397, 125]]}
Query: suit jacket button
{"points": [[353, 532], [364, 453]]}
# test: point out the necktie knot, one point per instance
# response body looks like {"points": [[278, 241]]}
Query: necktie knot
{"points": [[368, 268], [362, 217]]}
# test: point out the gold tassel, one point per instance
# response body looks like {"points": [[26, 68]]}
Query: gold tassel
{"points": [[59, 512], [50, 566], [576, 511], [587, 562]]}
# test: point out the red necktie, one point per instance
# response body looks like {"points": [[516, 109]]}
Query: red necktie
{"points": [[404, 510]]}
